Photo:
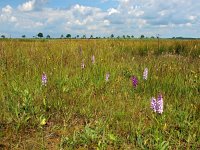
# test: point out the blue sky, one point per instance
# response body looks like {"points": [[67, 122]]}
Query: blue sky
{"points": [[100, 17]]}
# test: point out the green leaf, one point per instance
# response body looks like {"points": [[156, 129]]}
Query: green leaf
{"points": [[112, 137], [164, 145]]}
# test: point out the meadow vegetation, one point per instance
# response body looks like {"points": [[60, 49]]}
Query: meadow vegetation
{"points": [[78, 108]]}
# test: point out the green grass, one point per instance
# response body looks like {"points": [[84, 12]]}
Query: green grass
{"points": [[78, 109]]}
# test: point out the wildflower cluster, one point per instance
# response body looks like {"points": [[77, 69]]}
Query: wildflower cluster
{"points": [[157, 105], [145, 74], [44, 79], [134, 81], [107, 77]]}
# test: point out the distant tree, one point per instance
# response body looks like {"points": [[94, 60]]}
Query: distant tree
{"points": [[68, 36], [23, 36], [112, 36], [48, 37], [142, 36], [62, 36], [84, 36], [118, 37], [40, 35], [3, 36], [152, 37], [124, 36], [91, 37], [132, 36], [128, 36], [158, 36], [77, 36]]}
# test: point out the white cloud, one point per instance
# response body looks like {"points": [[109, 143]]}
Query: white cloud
{"points": [[92, 27], [38, 24], [135, 12], [27, 6], [113, 11], [28, 24], [84, 10], [162, 12], [8, 9], [141, 22], [32, 5], [6, 15], [192, 18], [188, 24], [13, 19], [106, 22]]}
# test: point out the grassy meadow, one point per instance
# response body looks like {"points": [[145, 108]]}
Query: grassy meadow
{"points": [[79, 109]]}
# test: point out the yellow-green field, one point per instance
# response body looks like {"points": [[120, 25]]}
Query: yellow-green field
{"points": [[79, 109]]}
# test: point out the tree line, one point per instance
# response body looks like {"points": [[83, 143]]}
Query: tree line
{"points": [[68, 36]]}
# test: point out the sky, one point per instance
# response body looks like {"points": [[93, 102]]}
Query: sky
{"points": [[168, 18]]}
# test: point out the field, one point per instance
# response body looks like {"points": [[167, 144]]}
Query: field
{"points": [[89, 101]]}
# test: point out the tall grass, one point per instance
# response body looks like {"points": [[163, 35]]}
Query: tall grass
{"points": [[78, 108]]}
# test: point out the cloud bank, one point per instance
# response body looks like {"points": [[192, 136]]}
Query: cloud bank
{"points": [[129, 17]]}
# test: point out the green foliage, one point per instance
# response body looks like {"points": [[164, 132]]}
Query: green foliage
{"points": [[142, 36], [40, 35], [179, 48], [68, 36], [90, 137], [3, 36], [48, 36], [143, 51]]}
